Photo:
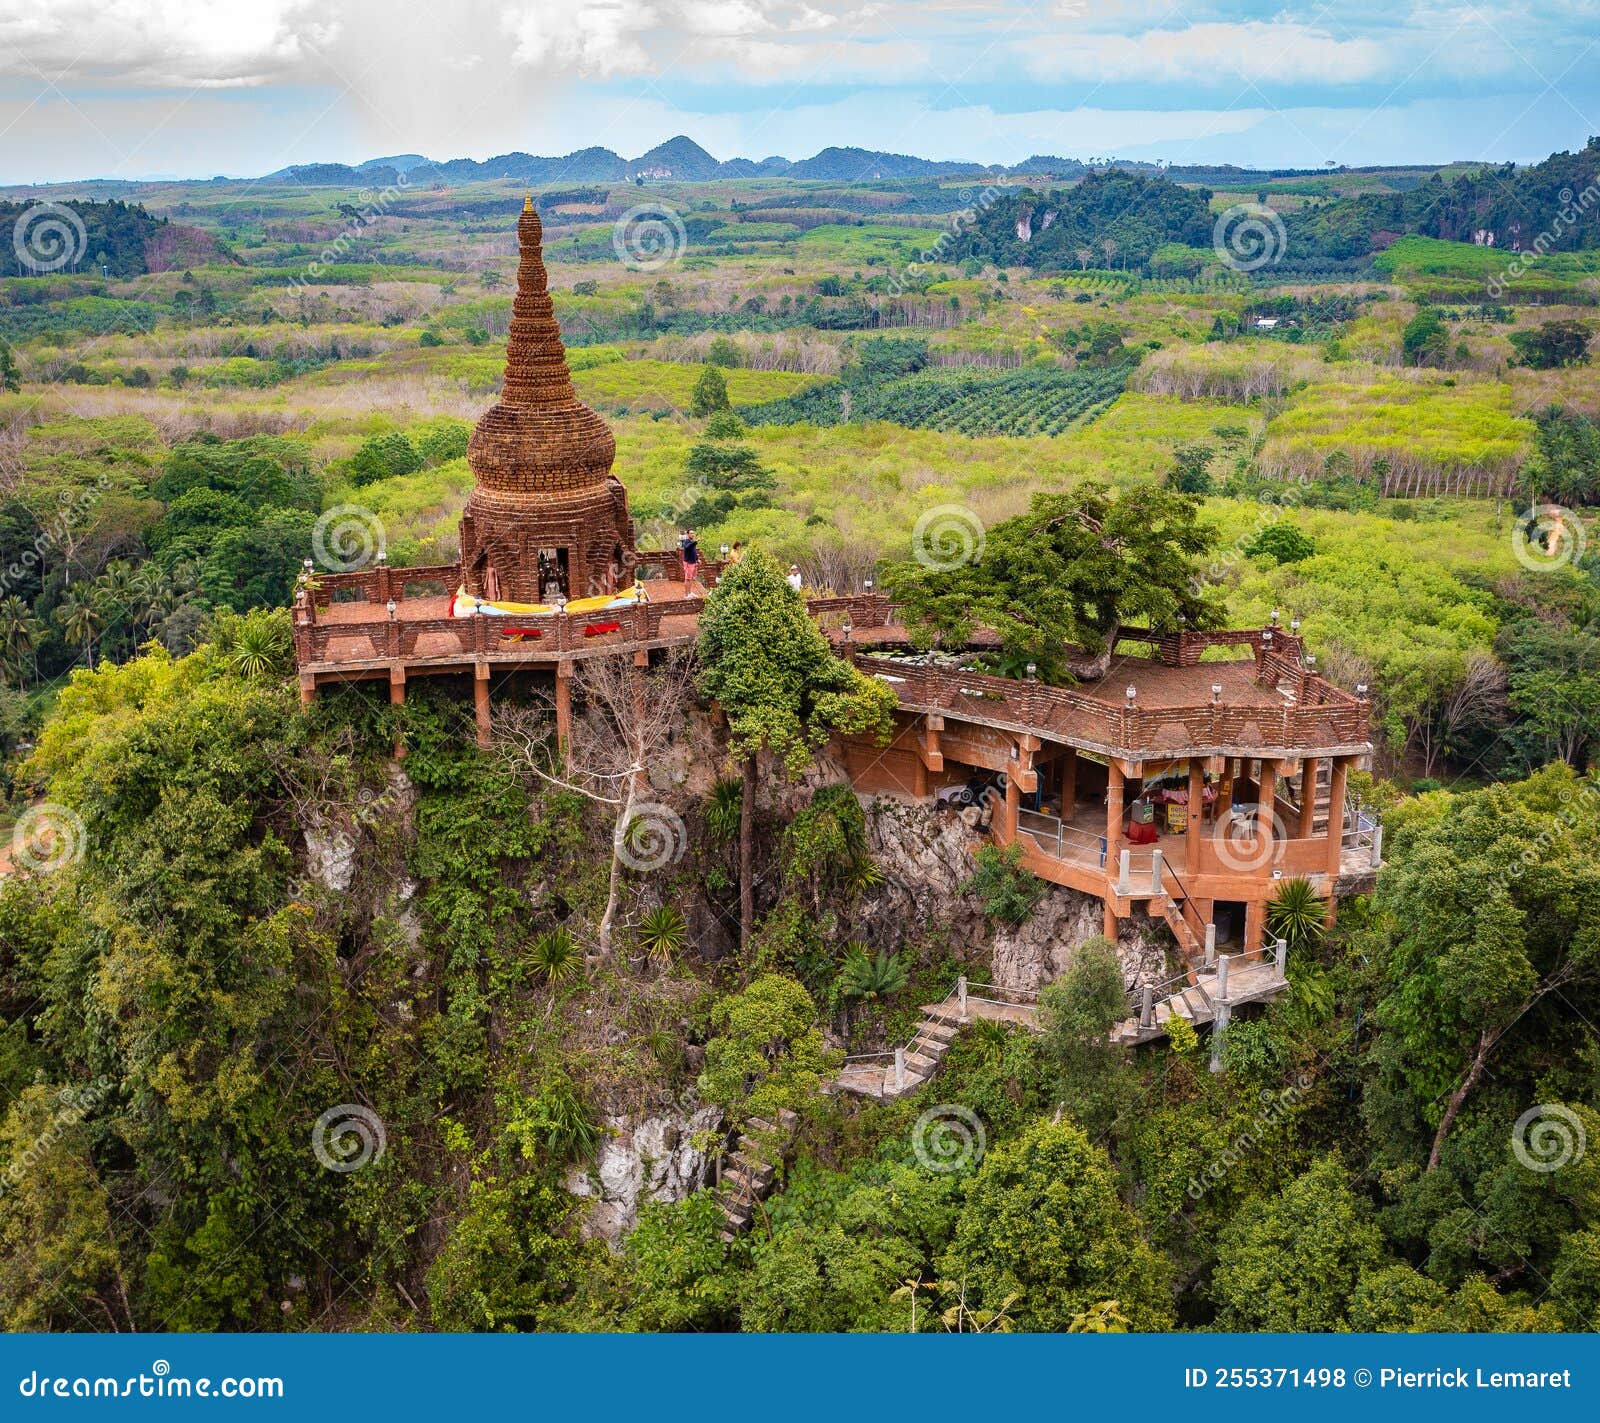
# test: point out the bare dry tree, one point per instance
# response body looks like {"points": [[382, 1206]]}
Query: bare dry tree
{"points": [[630, 717]]}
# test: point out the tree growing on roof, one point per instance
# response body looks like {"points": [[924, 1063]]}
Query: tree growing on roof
{"points": [[1058, 583]]}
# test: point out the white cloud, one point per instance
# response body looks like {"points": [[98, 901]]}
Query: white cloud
{"points": [[176, 43], [594, 38], [1260, 51]]}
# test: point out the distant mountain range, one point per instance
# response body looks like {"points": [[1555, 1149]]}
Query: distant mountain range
{"points": [[683, 160]]}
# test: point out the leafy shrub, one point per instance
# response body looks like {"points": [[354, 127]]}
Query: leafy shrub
{"points": [[1009, 892]]}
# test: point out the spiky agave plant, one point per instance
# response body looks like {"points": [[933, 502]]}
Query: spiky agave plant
{"points": [[661, 934], [554, 956], [1296, 915], [864, 974], [723, 810]]}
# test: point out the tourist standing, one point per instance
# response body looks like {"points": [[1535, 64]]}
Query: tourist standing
{"points": [[794, 579], [689, 547]]}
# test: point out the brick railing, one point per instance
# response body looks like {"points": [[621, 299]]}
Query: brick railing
{"points": [[1325, 718]]}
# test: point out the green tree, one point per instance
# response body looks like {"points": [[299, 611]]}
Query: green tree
{"points": [[81, 620], [1060, 582], [767, 1053], [1425, 339], [781, 688], [710, 393], [59, 1264], [1043, 1221], [1281, 543], [1554, 343], [10, 376], [1489, 910], [1290, 1263], [19, 636], [1191, 469], [1077, 1014]]}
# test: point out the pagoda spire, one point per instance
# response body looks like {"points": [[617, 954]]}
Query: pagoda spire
{"points": [[536, 361]]}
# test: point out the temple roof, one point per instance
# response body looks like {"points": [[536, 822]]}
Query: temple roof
{"points": [[538, 439]]}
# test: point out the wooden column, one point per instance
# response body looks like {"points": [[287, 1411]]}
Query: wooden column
{"points": [[919, 778], [1069, 781], [1108, 926], [308, 689], [1267, 796], [563, 706], [1336, 789], [1013, 802], [397, 698], [1197, 786], [1225, 790], [1308, 796], [480, 703], [1113, 815]]}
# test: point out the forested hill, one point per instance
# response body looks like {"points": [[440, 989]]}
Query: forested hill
{"points": [[1056, 230], [1515, 205], [79, 237], [1134, 213]]}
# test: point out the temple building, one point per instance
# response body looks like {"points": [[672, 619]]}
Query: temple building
{"points": [[546, 518], [1184, 784]]}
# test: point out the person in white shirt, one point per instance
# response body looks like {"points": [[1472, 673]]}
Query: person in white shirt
{"points": [[794, 579]]}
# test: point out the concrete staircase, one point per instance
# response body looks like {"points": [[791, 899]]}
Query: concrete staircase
{"points": [[752, 1171], [893, 1073], [1193, 948]]}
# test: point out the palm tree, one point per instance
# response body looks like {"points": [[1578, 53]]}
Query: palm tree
{"points": [[19, 631], [151, 589], [81, 620]]}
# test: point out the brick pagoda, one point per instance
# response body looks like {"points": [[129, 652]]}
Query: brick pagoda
{"points": [[546, 514]]}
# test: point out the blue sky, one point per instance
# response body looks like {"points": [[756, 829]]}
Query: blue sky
{"points": [[133, 88]]}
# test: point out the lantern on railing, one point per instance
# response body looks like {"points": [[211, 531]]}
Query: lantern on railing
{"points": [[1130, 694], [846, 629], [390, 606], [1033, 671], [382, 558], [723, 550], [1294, 626], [1266, 640], [1361, 690], [866, 586], [1216, 694], [1274, 617]]}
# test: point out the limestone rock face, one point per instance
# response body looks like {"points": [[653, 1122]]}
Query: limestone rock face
{"points": [[330, 859], [641, 1160], [1038, 951], [925, 855]]}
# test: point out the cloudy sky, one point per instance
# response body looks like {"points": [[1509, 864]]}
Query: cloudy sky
{"points": [[135, 88]]}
